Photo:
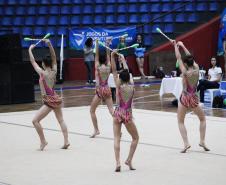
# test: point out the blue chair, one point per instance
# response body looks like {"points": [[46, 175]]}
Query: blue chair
{"points": [[166, 1], [147, 29], [133, 1], [64, 20], [75, 20], [122, 1], [53, 20], [99, 9], [134, 19], [62, 30], [180, 18], [192, 18], [166, 7], [55, 2], [190, 7], [51, 30], [30, 21], [23, 2], [31, 10], [87, 1], [16, 30], [122, 19], [157, 18], [39, 31], [99, 19], [41, 21], [213, 6], [12, 2], [148, 40], [77, 1], [145, 18], [27, 31], [99, 2], [178, 7], [6, 21], [33, 2], [54, 10], [168, 28], [155, 8], [18, 21], [87, 9], [2, 11], [110, 8], [143, 8], [2, 2], [201, 7], [122, 8], [46, 2], [168, 18], [65, 10], [43, 10], [87, 20], [66, 2], [76, 10], [133, 8], [110, 1], [110, 19], [20, 10], [9, 11]]}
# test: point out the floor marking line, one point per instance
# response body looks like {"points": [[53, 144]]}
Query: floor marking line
{"points": [[111, 139]]}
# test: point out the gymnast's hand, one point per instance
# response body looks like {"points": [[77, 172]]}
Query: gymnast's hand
{"points": [[46, 41], [32, 46], [179, 43]]}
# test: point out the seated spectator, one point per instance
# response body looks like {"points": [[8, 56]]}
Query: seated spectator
{"points": [[213, 81]]}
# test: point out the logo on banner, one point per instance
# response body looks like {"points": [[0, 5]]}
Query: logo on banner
{"points": [[79, 38]]}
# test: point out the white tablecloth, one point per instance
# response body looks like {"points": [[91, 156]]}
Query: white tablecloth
{"points": [[171, 85], [111, 81]]}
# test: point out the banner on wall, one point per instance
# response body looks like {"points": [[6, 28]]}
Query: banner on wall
{"points": [[222, 33], [78, 36]]}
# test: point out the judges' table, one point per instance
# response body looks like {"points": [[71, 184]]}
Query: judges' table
{"points": [[171, 85]]}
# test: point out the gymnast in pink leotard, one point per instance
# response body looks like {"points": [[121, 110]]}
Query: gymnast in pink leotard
{"points": [[52, 101], [103, 91], [123, 111], [189, 98]]}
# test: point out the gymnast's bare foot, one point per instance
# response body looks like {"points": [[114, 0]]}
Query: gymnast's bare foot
{"points": [[95, 134], [204, 147], [185, 149], [65, 146], [129, 163], [43, 145]]}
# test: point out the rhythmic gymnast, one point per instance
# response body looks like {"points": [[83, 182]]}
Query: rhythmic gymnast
{"points": [[189, 98], [123, 112], [103, 91], [47, 78]]}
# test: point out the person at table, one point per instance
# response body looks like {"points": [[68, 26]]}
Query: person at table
{"points": [[213, 81], [139, 53], [189, 98]]}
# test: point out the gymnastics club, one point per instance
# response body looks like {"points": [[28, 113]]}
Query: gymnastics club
{"points": [[102, 44], [132, 46], [32, 39], [160, 31], [46, 36]]}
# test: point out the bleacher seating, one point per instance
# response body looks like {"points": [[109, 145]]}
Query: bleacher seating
{"points": [[41, 16]]}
